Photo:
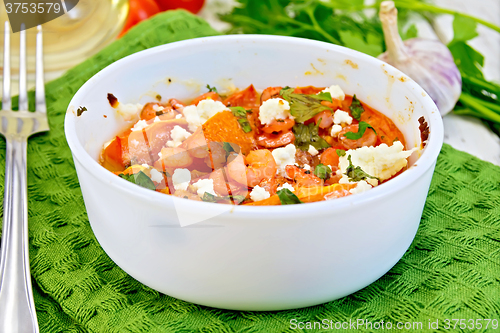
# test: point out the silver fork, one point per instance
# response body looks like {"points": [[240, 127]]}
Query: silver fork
{"points": [[17, 308]]}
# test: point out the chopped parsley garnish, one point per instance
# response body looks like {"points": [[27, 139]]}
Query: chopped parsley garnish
{"points": [[210, 89], [287, 197], [207, 197], [227, 147], [80, 110], [340, 152], [356, 108], [362, 126], [356, 174], [303, 107], [322, 171], [140, 179], [306, 135], [241, 116]]}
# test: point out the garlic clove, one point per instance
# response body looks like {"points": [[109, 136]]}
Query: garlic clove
{"points": [[428, 62]]}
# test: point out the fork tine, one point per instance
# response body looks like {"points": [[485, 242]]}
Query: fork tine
{"points": [[39, 86], [23, 94], [6, 101]]}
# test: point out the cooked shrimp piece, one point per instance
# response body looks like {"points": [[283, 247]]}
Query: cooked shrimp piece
{"points": [[275, 140], [236, 168], [268, 93], [196, 144], [217, 156], [261, 166], [330, 157], [302, 177], [369, 138], [278, 125], [224, 186], [174, 158], [326, 119]]}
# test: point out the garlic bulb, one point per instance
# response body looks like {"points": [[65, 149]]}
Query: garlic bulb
{"points": [[428, 62]]}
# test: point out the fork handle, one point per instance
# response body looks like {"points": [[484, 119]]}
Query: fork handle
{"points": [[17, 307]]}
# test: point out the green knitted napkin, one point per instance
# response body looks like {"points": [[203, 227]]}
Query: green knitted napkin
{"points": [[451, 271]]}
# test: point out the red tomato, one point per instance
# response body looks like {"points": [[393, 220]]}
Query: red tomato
{"points": [[193, 6], [139, 10]]}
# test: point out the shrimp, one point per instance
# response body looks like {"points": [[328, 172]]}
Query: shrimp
{"points": [[275, 140], [268, 93], [369, 138], [302, 177], [330, 157], [217, 156], [173, 158], [224, 186], [196, 144], [261, 166], [326, 119], [278, 125]]}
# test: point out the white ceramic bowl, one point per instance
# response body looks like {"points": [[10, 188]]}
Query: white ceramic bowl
{"points": [[252, 258]]}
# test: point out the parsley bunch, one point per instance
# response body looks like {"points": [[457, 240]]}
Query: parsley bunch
{"points": [[346, 23]]}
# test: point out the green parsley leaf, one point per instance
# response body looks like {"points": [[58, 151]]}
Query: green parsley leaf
{"points": [[306, 135], [322, 171], [340, 152], [210, 89], [140, 179], [287, 197], [207, 197], [238, 111], [303, 107], [241, 115], [361, 131], [227, 147], [238, 198], [356, 174], [356, 108], [245, 125], [369, 43]]}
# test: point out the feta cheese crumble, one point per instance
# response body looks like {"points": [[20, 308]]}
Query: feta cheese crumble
{"points": [[181, 179], [157, 119], [274, 108], [336, 92], [179, 116], [204, 185], [259, 193], [382, 161], [156, 176], [286, 185], [178, 134], [140, 125], [335, 130], [340, 117], [313, 151], [283, 157], [361, 186], [197, 115], [307, 167]]}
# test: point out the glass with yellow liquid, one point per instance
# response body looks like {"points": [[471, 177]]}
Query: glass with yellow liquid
{"points": [[70, 38]]}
